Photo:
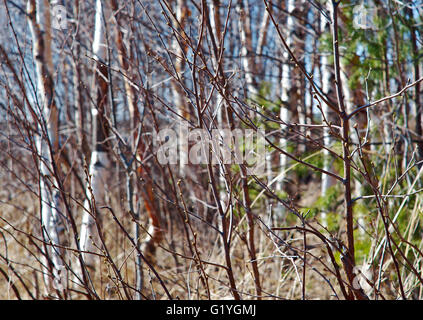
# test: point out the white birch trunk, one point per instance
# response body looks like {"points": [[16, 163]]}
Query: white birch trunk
{"points": [[179, 48], [326, 87], [51, 217], [261, 43], [89, 237], [286, 85], [299, 39], [247, 58], [100, 163], [262, 36], [285, 112], [326, 75]]}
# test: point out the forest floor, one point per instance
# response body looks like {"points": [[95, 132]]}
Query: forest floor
{"points": [[281, 270]]}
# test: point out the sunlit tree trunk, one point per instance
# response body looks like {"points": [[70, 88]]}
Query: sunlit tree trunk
{"points": [[80, 109], [100, 163], [298, 105], [261, 43], [262, 39], [247, 53], [385, 134], [48, 145], [354, 98], [286, 86], [327, 78], [180, 49]]}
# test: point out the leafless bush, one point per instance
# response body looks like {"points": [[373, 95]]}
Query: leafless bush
{"points": [[210, 150]]}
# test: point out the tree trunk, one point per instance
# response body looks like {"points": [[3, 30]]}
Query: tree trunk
{"points": [[80, 116], [48, 146], [100, 163], [247, 53], [327, 78], [286, 86], [180, 49]]}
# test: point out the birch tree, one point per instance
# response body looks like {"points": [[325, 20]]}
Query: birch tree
{"points": [[298, 48], [247, 51], [180, 50], [47, 144], [326, 73], [100, 162], [285, 86]]}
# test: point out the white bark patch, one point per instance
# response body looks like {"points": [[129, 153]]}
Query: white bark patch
{"points": [[49, 195], [89, 238], [327, 181], [286, 85], [99, 47]]}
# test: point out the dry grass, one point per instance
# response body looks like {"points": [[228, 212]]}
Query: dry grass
{"points": [[280, 260], [280, 271]]}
